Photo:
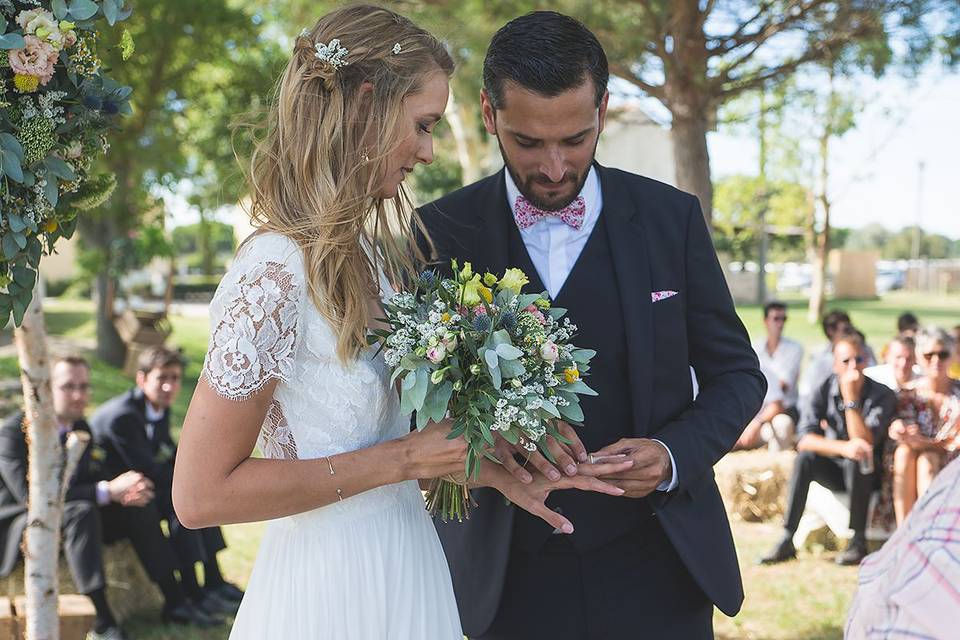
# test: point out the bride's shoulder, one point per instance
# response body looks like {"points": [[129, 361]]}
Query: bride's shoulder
{"points": [[270, 247]]}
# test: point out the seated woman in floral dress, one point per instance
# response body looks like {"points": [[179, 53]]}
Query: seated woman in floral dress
{"points": [[928, 408]]}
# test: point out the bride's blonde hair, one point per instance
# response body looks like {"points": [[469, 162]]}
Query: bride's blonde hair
{"points": [[314, 174]]}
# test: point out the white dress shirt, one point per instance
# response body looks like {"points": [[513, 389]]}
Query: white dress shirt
{"points": [[783, 365], [554, 247]]}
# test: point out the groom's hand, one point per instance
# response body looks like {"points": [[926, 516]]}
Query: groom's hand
{"points": [[651, 466]]}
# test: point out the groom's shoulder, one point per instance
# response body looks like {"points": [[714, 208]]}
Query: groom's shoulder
{"points": [[651, 191]]}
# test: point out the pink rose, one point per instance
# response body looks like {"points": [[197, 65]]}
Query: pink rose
{"points": [[436, 354], [36, 59], [536, 313], [549, 352]]}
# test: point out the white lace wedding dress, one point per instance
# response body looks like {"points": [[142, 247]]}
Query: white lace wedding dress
{"points": [[371, 566]]}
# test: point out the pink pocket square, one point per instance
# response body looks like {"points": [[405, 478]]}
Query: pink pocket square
{"points": [[657, 296]]}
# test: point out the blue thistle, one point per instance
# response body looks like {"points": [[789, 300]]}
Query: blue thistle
{"points": [[482, 323], [509, 320], [428, 279]]}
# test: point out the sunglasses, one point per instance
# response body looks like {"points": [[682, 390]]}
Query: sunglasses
{"points": [[779, 318], [857, 359], [943, 355]]}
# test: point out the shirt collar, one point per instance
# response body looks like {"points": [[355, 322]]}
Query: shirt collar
{"points": [[152, 414], [590, 191]]}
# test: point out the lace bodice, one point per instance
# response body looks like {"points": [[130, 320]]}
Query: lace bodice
{"points": [[263, 326]]}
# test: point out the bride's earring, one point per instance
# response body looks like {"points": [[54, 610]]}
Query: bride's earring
{"points": [[365, 156]]}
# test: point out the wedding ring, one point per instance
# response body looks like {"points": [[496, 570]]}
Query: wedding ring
{"points": [[591, 459]]}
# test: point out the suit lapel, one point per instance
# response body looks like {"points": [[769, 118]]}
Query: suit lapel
{"points": [[628, 248], [491, 248]]}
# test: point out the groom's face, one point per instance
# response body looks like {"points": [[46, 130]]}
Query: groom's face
{"points": [[548, 143]]}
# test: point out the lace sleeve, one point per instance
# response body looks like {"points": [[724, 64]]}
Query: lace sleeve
{"points": [[254, 326]]}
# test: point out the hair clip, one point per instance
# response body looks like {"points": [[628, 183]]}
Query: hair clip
{"points": [[333, 54], [397, 49]]}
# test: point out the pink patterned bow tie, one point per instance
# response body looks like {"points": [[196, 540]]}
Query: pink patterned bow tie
{"points": [[528, 215]]}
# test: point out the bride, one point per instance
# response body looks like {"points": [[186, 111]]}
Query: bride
{"points": [[350, 551]]}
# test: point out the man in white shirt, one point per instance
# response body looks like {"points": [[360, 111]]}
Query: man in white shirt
{"points": [[780, 358], [901, 365]]}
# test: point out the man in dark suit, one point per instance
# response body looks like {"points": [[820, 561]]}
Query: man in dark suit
{"points": [[632, 261], [133, 430], [97, 510]]}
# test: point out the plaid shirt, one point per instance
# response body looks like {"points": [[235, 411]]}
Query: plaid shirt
{"points": [[911, 587]]}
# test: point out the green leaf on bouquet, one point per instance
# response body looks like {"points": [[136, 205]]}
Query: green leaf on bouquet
{"points": [[485, 431], [493, 364], [435, 405], [583, 356], [419, 391], [542, 446], [82, 9], [497, 338], [556, 313], [12, 41], [572, 412], [550, 408], [411, 362], [527, 299], [512, 369], [510, 436], [579, 387], [508, 351]]}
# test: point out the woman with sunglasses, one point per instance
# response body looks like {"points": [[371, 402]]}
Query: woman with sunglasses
{"points": [[927, 409]]}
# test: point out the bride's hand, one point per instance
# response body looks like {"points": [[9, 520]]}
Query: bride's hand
{"points": [[431, 454], [532, 496]]}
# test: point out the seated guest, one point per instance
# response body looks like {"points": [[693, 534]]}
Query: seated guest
{"points": [[820, 366], [771, 426], [134, 431], [781, 357], [907, 324], [900, 367], [908, 589], [926, 405], [856, 412], [126, 509], [70, 381]]}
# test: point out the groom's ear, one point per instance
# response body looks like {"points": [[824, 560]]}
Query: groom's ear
{"points": [[602, 114], [489, 113]]}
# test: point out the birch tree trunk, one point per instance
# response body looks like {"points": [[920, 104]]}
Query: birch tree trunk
{"points": [[41, 546]]}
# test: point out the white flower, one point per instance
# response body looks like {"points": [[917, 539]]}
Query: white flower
{"points": [[549, 352], [436, 354]]}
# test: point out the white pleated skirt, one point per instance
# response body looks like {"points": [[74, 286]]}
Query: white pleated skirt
{"points": [[368, 568]]}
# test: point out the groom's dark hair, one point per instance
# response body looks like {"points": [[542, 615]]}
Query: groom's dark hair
{"points": [[545, 52]]}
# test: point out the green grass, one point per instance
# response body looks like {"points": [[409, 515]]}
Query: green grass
{"points": [[802, 600]]}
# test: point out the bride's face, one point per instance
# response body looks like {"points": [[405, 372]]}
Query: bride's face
{"points": [[421, 113]]}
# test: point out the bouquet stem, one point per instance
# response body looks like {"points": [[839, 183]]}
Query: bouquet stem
{"points": [[449, 499]]}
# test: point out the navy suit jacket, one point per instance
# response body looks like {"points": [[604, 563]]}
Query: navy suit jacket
{"points": [[659, 241]]}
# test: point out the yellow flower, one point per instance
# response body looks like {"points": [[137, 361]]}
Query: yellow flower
{"points": [[25, 84], [471, 291], [50, 226], [514, 280], [541, 303], [571, 374], [467, 272], [445, 317], [489, 279], [486, 294]]}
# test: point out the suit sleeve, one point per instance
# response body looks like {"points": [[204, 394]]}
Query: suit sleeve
{"points": [[130, 441], [13, 461], [732, 386]]}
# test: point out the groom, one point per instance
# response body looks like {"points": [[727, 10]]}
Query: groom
{"points": [[632, 260]]}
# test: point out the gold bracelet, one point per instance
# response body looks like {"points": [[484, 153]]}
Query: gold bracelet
{"points": [[330, 464]]}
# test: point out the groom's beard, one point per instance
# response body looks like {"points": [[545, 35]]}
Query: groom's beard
{"points": [[524, 183]]}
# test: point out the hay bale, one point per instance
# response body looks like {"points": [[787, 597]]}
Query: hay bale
{"points": [[129, 590], [754, 484]]}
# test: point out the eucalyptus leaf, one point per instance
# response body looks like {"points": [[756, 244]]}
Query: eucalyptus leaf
{"points": [[19, 309], [59, 168], [583, 356], [572, 412], [17, 224], [550, 408], [51, 190], [59, 9], [10, 143], [11, 165], [419, 392], [82, 9], [579, 387], [25, 277], [508, 351], [10, 247], [110, 11], [20, 239], [490, 357], [512, 369], [12, 41]]}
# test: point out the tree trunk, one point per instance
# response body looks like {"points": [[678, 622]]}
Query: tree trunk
{"points": [[819, 283], [110, 347], [467, 139], [691, 160], [206, 251], [41, 548]]}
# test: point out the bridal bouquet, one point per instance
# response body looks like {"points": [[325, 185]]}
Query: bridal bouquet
{"points": [[495, 359]]}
